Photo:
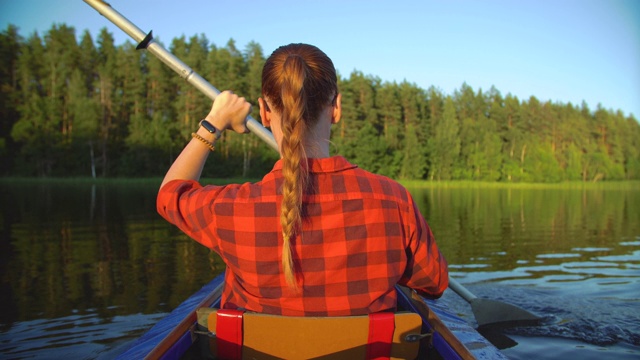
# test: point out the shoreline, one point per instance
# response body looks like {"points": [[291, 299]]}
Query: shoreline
{"points": [[569, 185]]}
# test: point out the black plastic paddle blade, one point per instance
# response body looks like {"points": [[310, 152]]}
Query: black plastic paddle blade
{"points": [[489, 312], [497, 338]]}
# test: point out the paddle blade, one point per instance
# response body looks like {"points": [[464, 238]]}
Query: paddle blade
{"points": [[490, 312]]}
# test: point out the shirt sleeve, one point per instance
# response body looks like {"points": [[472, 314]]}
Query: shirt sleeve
{"points": [[187, 205], [426, 270]]}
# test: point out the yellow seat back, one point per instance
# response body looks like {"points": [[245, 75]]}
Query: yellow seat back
{"points": [[287, 337]]}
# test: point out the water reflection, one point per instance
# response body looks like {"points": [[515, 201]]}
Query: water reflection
{"points": [[505, 228], [81, 248]]}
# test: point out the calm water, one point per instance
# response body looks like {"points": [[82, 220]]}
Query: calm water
{"points": [[85, 269]]}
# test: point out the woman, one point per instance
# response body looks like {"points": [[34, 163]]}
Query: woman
{"points": [[317, 236]]}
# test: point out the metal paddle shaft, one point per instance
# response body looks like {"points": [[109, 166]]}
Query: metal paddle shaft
{"points": [[488, 312], [146, 41], [485, 311]]}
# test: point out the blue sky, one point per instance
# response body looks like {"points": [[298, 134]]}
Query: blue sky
{"points": [[556, 50]]}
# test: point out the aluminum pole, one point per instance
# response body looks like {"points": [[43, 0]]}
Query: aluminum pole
{"points": [[146, 41]]}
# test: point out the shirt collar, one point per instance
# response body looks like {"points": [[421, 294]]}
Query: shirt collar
{"points": [[323, 165]]}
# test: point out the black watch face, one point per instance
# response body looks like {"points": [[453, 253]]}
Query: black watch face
{"points": [[207, 125]]}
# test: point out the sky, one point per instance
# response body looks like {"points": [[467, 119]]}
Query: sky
{"points": [[563, 51]]}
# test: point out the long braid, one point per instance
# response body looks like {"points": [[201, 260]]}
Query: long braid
{"points": [[298, 80], [294, 175]]}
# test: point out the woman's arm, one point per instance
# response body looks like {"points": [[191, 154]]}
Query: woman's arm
{"points": [[428, 270], [228, 111]]}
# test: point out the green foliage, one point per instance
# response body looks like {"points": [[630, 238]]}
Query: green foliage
{"points": [[413, 162], [94, 108], [10, 43], [370, 152], [445, 143]]}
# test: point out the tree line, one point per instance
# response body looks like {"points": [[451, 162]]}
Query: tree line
{"points": [[94, 108]]}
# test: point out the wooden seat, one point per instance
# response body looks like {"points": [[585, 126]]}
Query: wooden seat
{"points": [[265, 336]]}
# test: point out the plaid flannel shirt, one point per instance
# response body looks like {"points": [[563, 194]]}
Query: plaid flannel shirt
{"points": [[362, 234]]}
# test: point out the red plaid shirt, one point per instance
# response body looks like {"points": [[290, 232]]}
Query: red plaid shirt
{"points": [[362, 234]]}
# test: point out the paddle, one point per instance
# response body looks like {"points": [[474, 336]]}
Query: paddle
{"points": [[486, 311], [492, 312], [145, 41]]}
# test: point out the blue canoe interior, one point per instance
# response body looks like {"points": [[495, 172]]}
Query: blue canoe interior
{"points": [[453, 338]]}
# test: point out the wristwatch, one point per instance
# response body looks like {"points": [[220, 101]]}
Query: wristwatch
{"points": [[210, 128]]}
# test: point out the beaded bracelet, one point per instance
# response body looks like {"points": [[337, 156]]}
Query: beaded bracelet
{"points": [[205, 141]]}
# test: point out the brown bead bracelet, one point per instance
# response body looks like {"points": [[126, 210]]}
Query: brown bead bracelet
{"points": [[205, 141]]}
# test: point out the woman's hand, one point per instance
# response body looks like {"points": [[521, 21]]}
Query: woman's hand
{"points": [[229, 111]]}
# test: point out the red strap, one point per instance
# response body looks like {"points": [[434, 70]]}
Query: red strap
{"points": [[381, 327], [229, 333]]}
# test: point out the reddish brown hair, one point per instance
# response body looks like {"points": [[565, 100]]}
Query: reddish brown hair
{"points": [[298, 81]]}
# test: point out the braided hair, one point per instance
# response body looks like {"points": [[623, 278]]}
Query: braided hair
{"points": [[299, 80]]}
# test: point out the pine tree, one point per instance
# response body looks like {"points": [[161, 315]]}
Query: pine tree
{"points": [[190, 105], [10, 52], [61, 55], [255, 62], [413, 161], [162, 130], [358, 109], [84, 115], [445, 144], [513, 134], [33, 132], [390, 113], [412, 100], [632, 152], [106, 95]]}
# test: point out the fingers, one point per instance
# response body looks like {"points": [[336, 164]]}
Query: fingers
{"points": [[230, 111], [238, 122]]}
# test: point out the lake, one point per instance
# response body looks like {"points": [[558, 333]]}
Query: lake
{"points": [[87, 268]]}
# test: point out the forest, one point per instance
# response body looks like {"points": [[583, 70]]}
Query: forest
{"points": [[92, 108]]}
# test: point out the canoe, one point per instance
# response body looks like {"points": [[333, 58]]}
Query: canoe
{"points": [[451, 337]]}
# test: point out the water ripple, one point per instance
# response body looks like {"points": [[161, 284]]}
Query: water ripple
{"points": [[72, 335]]}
